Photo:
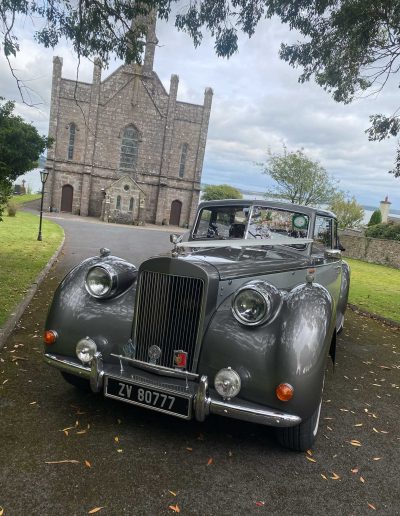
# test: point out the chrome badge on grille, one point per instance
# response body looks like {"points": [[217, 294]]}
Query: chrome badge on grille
{"points": [[180, 359], [154, 353]]}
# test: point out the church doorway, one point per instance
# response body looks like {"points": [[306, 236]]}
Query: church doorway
{"points": [[175, 215], [66, 198]]}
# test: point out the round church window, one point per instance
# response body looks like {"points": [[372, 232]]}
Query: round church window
{"points": [[126, 188]]}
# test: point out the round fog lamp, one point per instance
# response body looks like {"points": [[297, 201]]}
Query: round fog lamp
{"points": [[227, 383], [85, 350]]}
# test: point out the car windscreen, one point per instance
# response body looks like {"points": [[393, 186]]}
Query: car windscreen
{"points": [[250, 222]]}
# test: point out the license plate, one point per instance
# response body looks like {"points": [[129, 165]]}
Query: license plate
{"points": [[166, 401]]}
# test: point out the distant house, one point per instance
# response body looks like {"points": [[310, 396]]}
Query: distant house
{"points": [[126, 126]]}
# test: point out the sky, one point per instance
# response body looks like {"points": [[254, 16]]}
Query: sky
{"points": [[258, 107]]}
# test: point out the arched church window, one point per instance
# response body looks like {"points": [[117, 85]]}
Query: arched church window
{"points": [[182, 164], [129, 148], [71, 141], [118, 206], [131, 204]]}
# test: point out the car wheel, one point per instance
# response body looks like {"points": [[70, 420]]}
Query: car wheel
{"points": [[302, 436], [76, 381]]}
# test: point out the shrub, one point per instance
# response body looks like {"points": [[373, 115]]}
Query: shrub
{"points": [[388, 231], [376, 218], [12, 209]]}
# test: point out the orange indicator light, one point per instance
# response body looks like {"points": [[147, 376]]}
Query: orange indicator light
{"points": [[49, 337], [284, 392]]}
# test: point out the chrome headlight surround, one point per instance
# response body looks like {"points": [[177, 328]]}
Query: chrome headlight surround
{"points": [[107, 275], [268, 297]]}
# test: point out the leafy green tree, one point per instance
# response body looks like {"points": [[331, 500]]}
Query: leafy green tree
{"points": [[298, 179], [217, 192], [20, 147], [349, 213], [348, 46], [376, 218]]}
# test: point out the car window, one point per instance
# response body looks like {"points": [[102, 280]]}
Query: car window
{"points": [[323, 234], [222, 222]]}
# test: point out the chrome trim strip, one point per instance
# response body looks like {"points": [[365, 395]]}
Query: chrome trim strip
{"points": [[267, 417], [64, 364], [157, 369], [150, 407]]}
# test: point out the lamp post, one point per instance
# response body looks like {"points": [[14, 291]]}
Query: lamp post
{"points": [[43, 177]]}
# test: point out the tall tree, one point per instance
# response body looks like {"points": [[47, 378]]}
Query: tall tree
{"points": [[349, 46], [20, 148], [349, 213], [299, 179], [216, 192]]}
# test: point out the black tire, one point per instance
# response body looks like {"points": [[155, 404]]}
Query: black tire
{"points": [[302, 436], [78, 382]]}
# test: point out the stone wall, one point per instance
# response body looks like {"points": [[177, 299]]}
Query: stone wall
{"points": [[372, 250]]}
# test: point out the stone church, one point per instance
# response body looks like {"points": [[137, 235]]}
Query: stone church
{"points": [[125, 149]]}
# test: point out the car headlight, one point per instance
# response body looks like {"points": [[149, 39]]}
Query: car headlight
{"points": [[227, 383], [100, 281], [255, 303]]}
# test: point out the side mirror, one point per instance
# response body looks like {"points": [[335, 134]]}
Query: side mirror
{"points": [[333, 254], [174, 238]]}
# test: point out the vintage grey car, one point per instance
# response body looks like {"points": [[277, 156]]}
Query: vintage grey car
{"points": [[238, 319]]}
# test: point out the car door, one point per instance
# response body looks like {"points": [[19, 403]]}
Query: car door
{"points": [[327, 257]]}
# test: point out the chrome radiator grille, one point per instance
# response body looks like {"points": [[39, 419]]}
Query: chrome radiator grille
{"points": [[168, 316]]}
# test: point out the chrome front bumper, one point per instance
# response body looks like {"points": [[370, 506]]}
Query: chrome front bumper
{"points": [[204, 401]]}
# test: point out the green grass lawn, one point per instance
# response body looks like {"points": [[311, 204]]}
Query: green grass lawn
{"points": [[375, 288], [22, 257], [22, 199]]}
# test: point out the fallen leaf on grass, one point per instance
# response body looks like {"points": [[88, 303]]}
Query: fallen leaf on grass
{"points": [[359, 424], [68, 428], [354, 442], [260, 504], [323, 476], [33, 403], [116, 439], [189, 449], [309, 452], [87, 464], [66, 461], [335, 476], [377, 458], [1, 511], [119, 450], [5, 381], [173, 494], [310, 459], [354, 470], [210, 461], [66, 433], [81, 432], [362, 479], [372, 506], [95, 509], [174, 508], [230, 453]]}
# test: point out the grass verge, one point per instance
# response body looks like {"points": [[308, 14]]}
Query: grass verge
{"points": [[22, 257], [22, 199], [375, 288]]}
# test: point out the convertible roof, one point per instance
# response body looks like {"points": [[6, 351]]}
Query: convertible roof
{"points": [[268, 204]]}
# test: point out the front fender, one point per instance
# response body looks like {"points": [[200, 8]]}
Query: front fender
{"points": [[292, 348], [75, 314]]}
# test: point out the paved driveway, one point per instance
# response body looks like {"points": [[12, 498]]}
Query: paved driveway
{"points": [[131, 461]]}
